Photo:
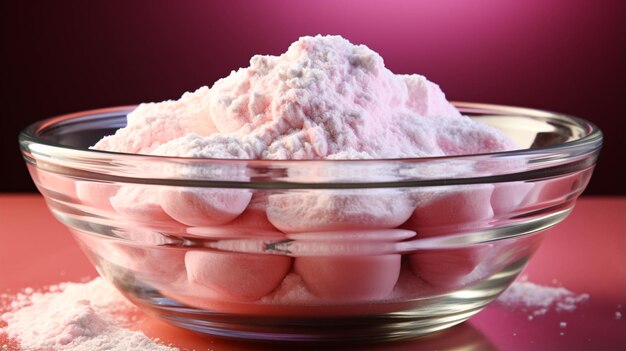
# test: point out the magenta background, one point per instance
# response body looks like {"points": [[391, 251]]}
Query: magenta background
{"points": [[561, 55]]}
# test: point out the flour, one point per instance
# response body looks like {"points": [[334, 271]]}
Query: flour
{"points": [[539, 299], [152, 124], [323, 98], [74, 317]]}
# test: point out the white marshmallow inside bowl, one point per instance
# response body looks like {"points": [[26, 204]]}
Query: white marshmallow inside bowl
{"points": [[236, 276], [323, 210], [252, 223], [449, 268], [349, 278], [358, 274], [372, 235], [330, 210], [507, 197], [139, 203], [140, 254], [451, 209], [203, 206], [96, 194]]}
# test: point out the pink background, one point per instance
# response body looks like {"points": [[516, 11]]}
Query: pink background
{"points": [[561, 55]]}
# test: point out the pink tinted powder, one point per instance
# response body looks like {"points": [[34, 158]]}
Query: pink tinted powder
{"points": [[537, 299], [73, 317], [323, 97]]}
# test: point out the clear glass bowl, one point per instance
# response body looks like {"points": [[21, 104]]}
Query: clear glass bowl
{"points": [[359, 250]]}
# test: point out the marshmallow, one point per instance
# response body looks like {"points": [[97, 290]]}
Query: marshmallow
{"points": [[252, 223], [96, 194], [328, 210], [139, 203], [451, 210], [447, 268], [507, 197], [384, 235], [140, 255], [204, 207], [236, 276], [410, 286], [290, 300], [349, 278]]}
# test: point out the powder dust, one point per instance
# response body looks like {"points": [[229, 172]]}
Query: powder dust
{"points": [[537, 299], [90, 316]]}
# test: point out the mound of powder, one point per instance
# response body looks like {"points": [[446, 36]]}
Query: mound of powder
{"points": [[73, 317], [152, 124], [539, 299], [323, 98]]}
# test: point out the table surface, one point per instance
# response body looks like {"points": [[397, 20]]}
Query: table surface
{"points": [[586, 253]]}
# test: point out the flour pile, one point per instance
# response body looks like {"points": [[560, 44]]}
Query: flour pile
{"points": [[74, 317], [539, 299], [324, 98]]}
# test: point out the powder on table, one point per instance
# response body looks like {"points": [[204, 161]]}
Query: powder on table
{"points": [[73, 317], [538, 299]]}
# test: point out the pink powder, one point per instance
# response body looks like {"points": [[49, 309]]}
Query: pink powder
{"points": [[74, 316], [152, 124], [539, 299], [323, 97]]}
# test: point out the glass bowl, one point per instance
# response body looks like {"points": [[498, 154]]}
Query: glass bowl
{"points": [[330, 250]]}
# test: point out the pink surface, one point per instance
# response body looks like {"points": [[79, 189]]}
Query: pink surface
{"points": [[586, 254]]}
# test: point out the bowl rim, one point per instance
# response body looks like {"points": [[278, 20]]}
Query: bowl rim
{"points": [[593, 138], [540, 162]]}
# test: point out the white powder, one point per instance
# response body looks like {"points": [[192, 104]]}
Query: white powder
{"points": [[323, 98], [74, 317], [152, 124], [539, 299]]}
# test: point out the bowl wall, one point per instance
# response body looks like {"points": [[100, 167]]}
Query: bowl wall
{"points": [[313, 250]]}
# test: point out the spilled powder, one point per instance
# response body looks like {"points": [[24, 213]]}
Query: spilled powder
{"points": [[73, 316], [539, 299]]}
